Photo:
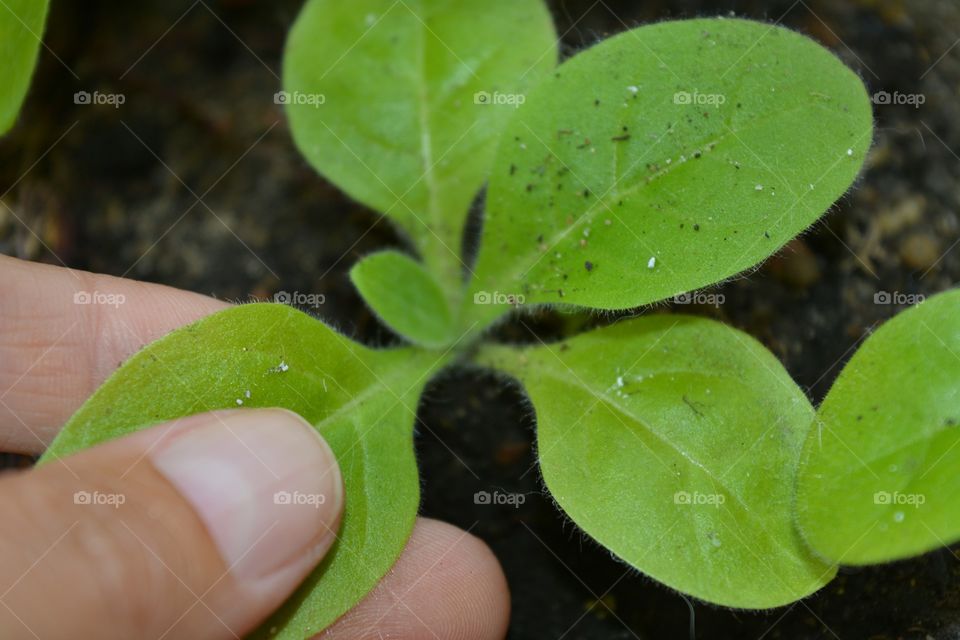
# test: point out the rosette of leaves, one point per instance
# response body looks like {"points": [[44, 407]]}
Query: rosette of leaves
{"points": [[664, 159]]}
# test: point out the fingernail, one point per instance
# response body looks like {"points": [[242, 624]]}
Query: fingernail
{"points": [[264, 483]]}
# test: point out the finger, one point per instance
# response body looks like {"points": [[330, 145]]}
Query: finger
{"points": [[447, 585], [173, 532], [62, 332]]}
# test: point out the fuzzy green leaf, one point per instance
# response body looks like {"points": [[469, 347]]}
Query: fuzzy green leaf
{"points": [[362, 401], [665, 159], [406, 297], [673, 441], [880, 477], [21, 30], [399, 128]]}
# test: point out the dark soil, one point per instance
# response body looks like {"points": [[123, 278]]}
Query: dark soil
{"points": [[115, 191]]}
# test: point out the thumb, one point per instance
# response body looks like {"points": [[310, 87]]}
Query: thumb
{"points": [[194, 529]]}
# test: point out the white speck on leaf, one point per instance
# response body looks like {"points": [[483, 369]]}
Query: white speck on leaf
{"points": [[652, 262], [633, 89], [239, 402], [246, 394], [849, 152], [759, 187]]}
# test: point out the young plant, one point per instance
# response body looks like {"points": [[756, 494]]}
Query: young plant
{"points": [[664, 159]]}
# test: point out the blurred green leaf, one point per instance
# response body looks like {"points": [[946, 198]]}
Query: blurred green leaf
{"points": [[21, 31], [403, 126]]}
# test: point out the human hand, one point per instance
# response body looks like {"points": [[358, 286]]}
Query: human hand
{"points": [[172, 532]]}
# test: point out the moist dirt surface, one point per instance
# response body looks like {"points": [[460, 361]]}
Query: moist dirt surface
{"points": [[194, 182]]}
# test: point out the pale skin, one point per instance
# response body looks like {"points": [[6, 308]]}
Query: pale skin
{"points": [[160, 565]]}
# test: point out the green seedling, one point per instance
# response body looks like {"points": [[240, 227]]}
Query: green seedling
{"points": [[665, 159]]}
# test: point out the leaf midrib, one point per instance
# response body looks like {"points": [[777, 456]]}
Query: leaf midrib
{"points": [[424, 113], [529, 257], [751, 516]]}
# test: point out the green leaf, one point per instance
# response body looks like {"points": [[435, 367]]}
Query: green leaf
{"points": [[399, 129], [362, 401], [879, 477], [21, 30], [665, 159], [674, 442], [406, 297]]}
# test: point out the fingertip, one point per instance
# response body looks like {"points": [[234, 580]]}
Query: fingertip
{"points": [[466, 582], [446, 584], [64, 331]]}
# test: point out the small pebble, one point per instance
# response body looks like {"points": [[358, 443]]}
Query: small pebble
{"points": [[920, 251], [796, 266]]}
